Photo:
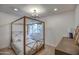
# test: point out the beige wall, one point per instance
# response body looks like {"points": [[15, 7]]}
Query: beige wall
{"points": [[77, 16], [58, 26], [5, 20], [5, 36]]}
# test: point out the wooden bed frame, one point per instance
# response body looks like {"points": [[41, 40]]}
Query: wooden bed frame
{"points": [[24, 33]]}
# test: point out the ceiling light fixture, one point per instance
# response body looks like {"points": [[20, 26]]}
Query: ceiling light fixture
{"points": [[55, 9], [15, 9], [34, 13]]}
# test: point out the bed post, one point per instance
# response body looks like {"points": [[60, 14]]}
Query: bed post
{"points": [[24, 28], [11, 39], [44, 33]]}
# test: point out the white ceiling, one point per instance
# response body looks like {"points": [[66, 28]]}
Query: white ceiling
{"points": [[47, 9]]}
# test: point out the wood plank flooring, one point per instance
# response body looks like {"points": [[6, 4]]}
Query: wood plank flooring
{"points": [[6, 51], [48, 50]]}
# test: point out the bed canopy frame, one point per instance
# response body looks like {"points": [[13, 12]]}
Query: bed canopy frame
{"points": [[27, 36]]}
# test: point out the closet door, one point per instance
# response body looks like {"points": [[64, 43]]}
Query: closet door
{"points": [[18, 37]]}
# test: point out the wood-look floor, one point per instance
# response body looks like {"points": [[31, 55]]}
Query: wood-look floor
{"points": [[48, 50], [6, 51]]}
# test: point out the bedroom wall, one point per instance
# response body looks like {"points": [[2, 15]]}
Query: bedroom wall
{"points": [[58, 26], [5, 19], [77, 16]]}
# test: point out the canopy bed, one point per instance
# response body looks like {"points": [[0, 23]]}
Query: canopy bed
{"points": [[27, 36]]}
